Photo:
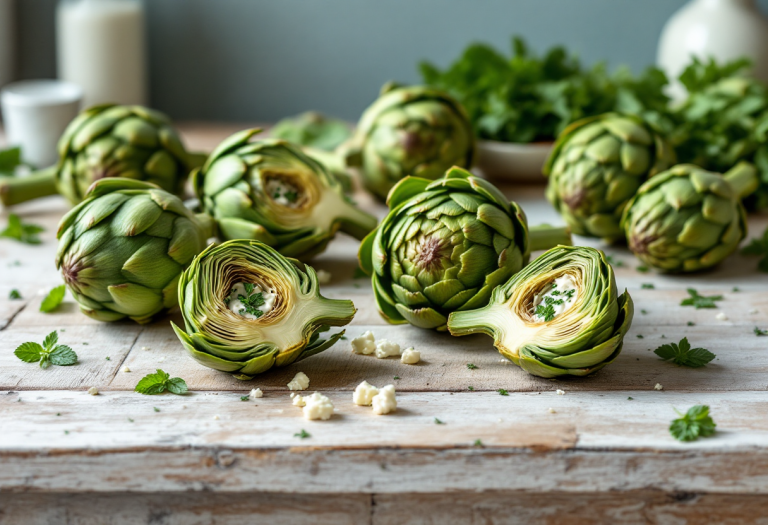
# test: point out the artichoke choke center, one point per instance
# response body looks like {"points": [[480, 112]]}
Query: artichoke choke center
{"points": [[250, 301], [559, 296]]}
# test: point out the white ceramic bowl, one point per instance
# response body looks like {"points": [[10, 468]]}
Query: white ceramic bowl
{"points": [[512, 162]]}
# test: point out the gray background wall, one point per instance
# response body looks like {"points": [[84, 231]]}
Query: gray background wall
{"points": [[245, 60]]}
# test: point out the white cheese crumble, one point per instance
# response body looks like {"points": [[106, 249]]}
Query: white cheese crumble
{"points": [[317, 406], [299, 382], [410, 356], [560, 392], [754, 311], [93, 391], [384, 402], [216, 417], [298, 401], [364, 344], [255, 393], [323, 277], [145, 348], [721, 316], [551, 410], [560, 296], [363, 394], [250, 300], [282, 192], [658, 387], [385, 348], [126, 369]]}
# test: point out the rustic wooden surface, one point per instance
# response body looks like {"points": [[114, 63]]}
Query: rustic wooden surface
{"points": [[599, 458]]}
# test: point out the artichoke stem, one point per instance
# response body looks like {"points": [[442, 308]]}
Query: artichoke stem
{"points": [[356, 222], [544, 237], [208, 225], [330, 312], [16, 190], [480, 321], [743, 179]]}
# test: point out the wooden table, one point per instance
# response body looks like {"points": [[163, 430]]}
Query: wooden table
{"points": [[604, 456]]}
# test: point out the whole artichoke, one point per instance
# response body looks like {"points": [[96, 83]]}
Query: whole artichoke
{"points": [[687, 219], [109, 141], [417, 130], [247, 308], [122, 250], [560, 315], [445, 245], [597, 165], [269, 190]]}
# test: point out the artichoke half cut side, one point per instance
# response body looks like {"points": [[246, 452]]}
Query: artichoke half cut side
{"points": [[270, 191], [221, 339], [579, 341], [445, 245]]}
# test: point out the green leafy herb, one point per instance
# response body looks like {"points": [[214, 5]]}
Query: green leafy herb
{"points": [[759, 246], [693, 424], [642, 269], [639, 336], [10, 159], [477, 443], [244, 398], [630, 399], [107, 358], [471, 366], [691, 323], [396, 377], [502, 392], [644, 312], [156, 409], [759, 332], [683, 354], [647, 286], [735, 289], [53, 299], [313, 129], [49, 353], [438, 422], [159, 382], [20, 231], [700, 301], [303, 434], [614, 262], [15, 294], [471, 388]]}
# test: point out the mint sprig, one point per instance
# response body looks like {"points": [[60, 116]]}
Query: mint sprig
{"points": [[53, 299], [693, 424], [49, 353], [159, 382], [683, 354]]}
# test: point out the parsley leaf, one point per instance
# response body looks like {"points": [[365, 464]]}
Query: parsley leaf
{"points": [[759, 332], [49, 353], [700, 301], [642, 269], [22, 232], [15, 294], [439, 422], [303, 434], [502, 392], [471, 366], [159, 382], [759, 246], [53, 299], [647, 286], [683, 354], [694, 424]]}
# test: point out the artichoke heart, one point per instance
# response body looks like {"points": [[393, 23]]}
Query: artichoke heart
{"points": [[121, 251], [282, 326], [687, 219], [578, 339], [270, 191], [410, 130], [597, 165], [445, 245]]}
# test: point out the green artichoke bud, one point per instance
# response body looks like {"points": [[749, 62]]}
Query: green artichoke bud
{"points": [[122, 250], [109, 141], [561, 315], [247, 308], [270, 191], [417, 130], [687, 219], [445, 245], [597, 165]]}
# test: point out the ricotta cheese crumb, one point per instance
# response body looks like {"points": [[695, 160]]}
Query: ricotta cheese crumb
{"points": [[721, 316], [384, 402], [299, 382], [560, 392], [410, 356], [317, 406], [216, 417], [385, 348], [282, 192], [364, 344], [298, 401], [255, 393], [93, 391], [658, 387], [126, 369], [363, 394], [551, 410], [145, 348], [323, 277]]}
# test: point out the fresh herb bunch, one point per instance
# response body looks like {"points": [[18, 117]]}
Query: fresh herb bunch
{"points": [[526, 98], [49, 353], [159, 382]]}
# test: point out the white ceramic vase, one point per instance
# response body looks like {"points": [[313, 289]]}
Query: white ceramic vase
{"points": [[723, 29]]}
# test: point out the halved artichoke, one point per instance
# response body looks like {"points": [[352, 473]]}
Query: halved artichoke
{"points": [[586, 335], [219, 337], [270, 191]]}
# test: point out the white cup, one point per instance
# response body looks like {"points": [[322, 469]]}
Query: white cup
{"points": [[36, 113]]}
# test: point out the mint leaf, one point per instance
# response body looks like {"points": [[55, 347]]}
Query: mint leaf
{"points": [[694, 424], [50, 340], [29, 352], [21, 231], [159, 382], [53, 299], [63, 355], [683, 354]]}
